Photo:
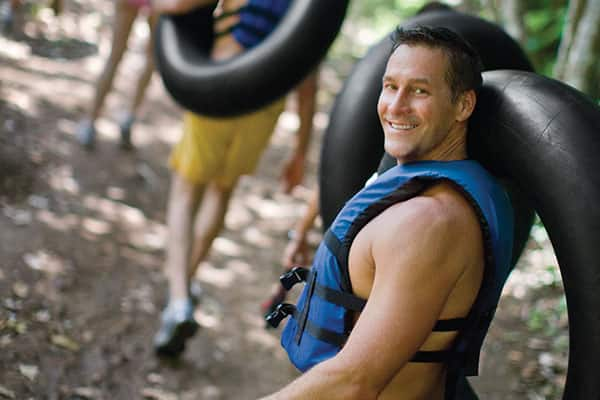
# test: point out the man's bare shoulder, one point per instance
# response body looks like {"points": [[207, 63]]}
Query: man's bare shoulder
{"points": [[441, 207], [440, 221]]}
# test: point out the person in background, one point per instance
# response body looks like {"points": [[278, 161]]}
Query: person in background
{"points": [[212, 155], [126, 12]]}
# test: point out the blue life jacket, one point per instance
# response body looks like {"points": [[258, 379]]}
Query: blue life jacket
{"points": [[322, 319], [258, 18]]}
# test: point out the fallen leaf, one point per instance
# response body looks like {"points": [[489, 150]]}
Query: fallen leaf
{"points": [[5, 340], [12, 305], [87, 336], [155, 378], [46, 262], [29, 371], [157, 394], [39, 202], [88, 393], [18, 217], [64, 342], [19, 327], [20, 289], [4, 392], [42, 316]]}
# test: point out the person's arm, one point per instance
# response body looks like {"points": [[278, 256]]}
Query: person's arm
{"points": [[177, 6], [296, 251], [409, 292], [293, 171]]}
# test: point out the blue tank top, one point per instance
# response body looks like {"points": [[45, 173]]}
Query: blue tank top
{"points": [[258, 19]]}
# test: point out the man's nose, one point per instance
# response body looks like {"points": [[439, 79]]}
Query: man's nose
{"points": [[400, 102]]}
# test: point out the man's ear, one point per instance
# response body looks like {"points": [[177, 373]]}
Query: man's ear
{"points": [[465, 105]]}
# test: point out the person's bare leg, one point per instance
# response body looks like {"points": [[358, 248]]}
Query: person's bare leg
{"points": [[209, 222], [128, 119], [177, 321], [184, 198], [124, 17]]}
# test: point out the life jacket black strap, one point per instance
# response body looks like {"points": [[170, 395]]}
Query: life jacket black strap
{"points": [[335, 247], [449, 325], [284, 310], [338, 339], [342, 299], [326, 335], [339, 298]]}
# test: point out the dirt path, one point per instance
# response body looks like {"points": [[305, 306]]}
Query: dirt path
{"points": [[81, 239]]}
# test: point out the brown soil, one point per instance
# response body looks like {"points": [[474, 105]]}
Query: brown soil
{"points": [[81, 239]]}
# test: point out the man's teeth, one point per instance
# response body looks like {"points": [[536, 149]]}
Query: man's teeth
{"points": [[402, 126]]}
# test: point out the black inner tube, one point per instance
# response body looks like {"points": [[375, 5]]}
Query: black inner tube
{"points": [[544, 136], [254, 78]]}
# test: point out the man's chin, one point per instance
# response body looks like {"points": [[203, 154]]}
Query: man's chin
{"points": [[396, 151]]}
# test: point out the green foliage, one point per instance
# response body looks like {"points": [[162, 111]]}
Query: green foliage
{"points": [[548, 316], [544, 26], [368, 21]]}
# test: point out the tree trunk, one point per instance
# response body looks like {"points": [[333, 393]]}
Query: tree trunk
{"points": [[568, 34], [512, 17], [583, 68]]}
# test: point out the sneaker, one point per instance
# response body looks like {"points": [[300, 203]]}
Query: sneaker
{"points": [[125, 128], [86, 134], [177, 326]]}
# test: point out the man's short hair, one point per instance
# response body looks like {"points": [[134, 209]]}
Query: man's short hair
{"points": [[464, 64]]}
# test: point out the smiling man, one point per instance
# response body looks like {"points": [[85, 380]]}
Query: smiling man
{"points": [[404, 285]]}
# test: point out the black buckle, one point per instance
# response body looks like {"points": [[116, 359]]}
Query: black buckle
{"points": [[283, 310], [293, 276]]}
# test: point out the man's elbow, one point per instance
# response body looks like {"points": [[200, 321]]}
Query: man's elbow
{"points": [[358, 391], [353, 384]]}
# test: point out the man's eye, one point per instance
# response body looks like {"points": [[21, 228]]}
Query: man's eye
{"points": [[420, 91]]}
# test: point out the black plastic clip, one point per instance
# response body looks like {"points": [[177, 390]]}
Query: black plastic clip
{"points": [[283, 310], [293, 276]]}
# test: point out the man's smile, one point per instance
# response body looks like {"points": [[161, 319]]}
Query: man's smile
{"points": [[401, 126]]}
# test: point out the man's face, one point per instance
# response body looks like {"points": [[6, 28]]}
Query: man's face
{"points": [[415, 106]]}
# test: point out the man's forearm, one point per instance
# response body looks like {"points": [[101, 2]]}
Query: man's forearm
{"points": [[325, 382]]}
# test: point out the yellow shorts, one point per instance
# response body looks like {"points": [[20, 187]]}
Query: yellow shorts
{"points": [[223, 149]]}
